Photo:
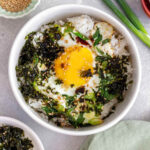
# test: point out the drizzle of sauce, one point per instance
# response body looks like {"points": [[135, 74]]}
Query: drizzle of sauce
{"points": [[147, 2], [91, 38], [79, 40], [62, 65], [80, 89]]}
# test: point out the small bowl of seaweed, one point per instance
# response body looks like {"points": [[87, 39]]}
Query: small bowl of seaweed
{"points": [[18, 136]]}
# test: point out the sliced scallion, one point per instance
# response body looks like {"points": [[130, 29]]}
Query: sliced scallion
{"points": [[78, 34], [131, 15], [97, 37], [100, 51], [105, 41]]}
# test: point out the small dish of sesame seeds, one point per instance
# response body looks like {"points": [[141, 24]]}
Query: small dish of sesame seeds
{"points": [[14, 9]]}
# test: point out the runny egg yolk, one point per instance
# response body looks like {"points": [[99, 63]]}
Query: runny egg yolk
{"points": [[70, 64]]}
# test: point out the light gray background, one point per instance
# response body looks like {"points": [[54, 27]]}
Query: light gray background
{"points": [[8, 104]]}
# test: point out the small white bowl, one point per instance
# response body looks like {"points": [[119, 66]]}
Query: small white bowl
{"points": [[61, 12], [15, 15], [28, 131]]}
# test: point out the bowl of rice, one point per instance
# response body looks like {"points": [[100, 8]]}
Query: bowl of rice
{"points": [[75, 69]]}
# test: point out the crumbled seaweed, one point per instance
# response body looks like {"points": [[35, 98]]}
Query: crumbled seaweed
{"points": [[58, 81], [113, 74], [86, 73], [12, 138], [45, 53]]}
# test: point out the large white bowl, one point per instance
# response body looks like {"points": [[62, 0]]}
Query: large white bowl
{"points": [[27, 131], [61, 12]]}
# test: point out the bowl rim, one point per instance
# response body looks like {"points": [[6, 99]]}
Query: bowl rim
{"points": [[20, 15], [75, 132], [147, 11], [23, 126]]}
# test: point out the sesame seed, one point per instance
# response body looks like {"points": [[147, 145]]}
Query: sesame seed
{"points": [[14, 5]]}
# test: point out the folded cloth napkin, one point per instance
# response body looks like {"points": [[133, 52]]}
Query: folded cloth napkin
{"points": [[126, 135]]}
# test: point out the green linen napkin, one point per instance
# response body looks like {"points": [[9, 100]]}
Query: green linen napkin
{"points": [[126, 135]]}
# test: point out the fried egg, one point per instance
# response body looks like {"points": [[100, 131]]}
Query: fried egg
{"points": [[68, 68], [78, 57]]}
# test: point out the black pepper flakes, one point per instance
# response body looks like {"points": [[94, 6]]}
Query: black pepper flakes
{"points": [[86, 73]]}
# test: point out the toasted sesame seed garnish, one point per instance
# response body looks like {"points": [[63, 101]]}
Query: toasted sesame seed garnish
{"points": [[14, 5]]}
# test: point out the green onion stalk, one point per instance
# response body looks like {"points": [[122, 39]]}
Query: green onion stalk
{"points": [[131, 15]]}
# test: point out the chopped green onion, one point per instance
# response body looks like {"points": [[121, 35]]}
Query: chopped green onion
{"points": [[95, 121], [105, 41], [144, 37], [100, 51], [60, 108], [80, 119], [71, 36], [47, 109], [96, 34], [36, 86], [98, 40], [131, 15], [70, 29], [78, 34], [90, 96], [69, 99], [97, 37]]}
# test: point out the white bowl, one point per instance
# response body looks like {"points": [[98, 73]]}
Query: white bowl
{"points": [[61, 12], [28, 131]]}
